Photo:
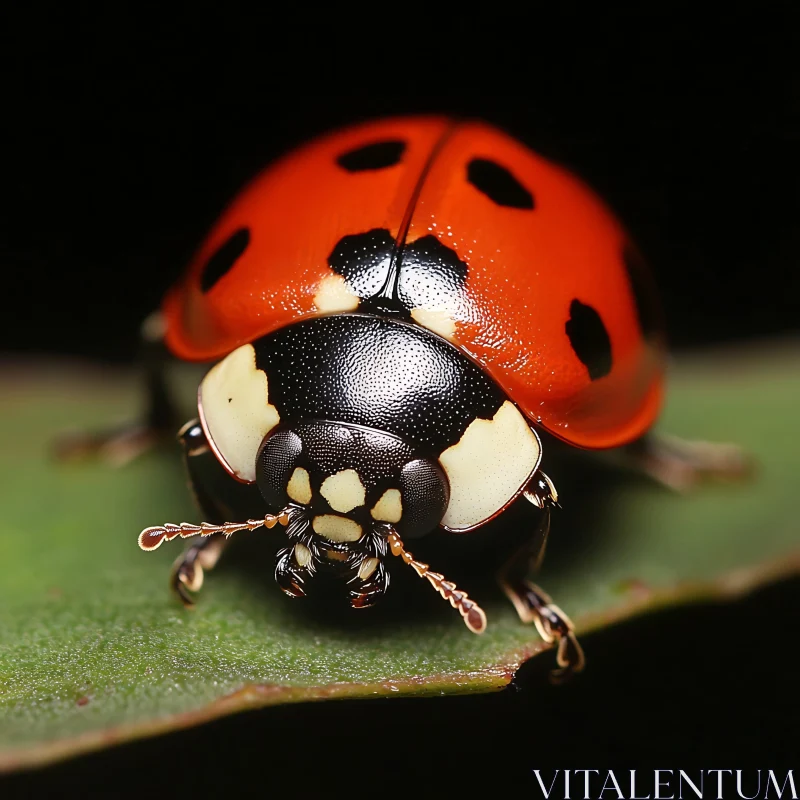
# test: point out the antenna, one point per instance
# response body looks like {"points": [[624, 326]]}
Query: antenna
{"points": [[473, 614], [151, 538]]}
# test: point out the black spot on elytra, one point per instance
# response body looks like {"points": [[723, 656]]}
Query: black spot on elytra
{"points": [[498, 184], [648, 310], [225, 256], [425, 273], [431, 275], [589, 339], [363, 260], [377, 155]]}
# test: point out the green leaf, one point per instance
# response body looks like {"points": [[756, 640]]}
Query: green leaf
{"points": [[95, 651]]}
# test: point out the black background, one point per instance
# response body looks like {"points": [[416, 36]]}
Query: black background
{"points": [[127, 135]]}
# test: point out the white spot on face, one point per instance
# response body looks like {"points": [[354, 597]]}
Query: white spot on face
{"points": [[302, 555], [436, 320], [336, 529], [389, 508], [235, 411], [344, 491], [368, 566], [333, 294], [488, 467], [299, 486]]}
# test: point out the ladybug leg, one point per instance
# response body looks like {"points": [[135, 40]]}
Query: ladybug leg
{"points": [[533, 605], [188, 569], [554, 626], [121, 444], [220, 498], [187, 573], [681, 464]]}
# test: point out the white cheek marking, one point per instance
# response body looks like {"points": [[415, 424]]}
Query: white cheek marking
{"points": [[389, 508], [299, 486], [488, 467], [235, 411], [437, 320], [333, 294], [344, 491], [337, 529]]}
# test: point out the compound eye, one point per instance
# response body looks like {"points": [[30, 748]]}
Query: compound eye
{"points": [[425, 493], [278, 477]]}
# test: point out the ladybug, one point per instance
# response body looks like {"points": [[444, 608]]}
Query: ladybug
{"points": [[395, 311]]}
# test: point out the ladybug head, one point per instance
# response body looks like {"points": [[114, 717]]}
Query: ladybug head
{"points": [[348, 487], [349, 478]]}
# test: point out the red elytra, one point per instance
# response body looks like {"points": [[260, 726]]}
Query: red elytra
{"points": [[527, 263]]}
